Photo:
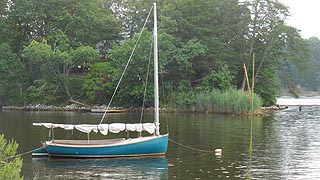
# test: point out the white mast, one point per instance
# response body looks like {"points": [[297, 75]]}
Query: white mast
{"points": [[156, 85]]}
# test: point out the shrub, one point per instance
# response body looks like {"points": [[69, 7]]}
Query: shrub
{"points": [[10, 168]]}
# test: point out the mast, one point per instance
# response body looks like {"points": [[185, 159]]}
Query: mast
{"points": [[156, 83]]}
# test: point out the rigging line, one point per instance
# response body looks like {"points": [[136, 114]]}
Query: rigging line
{"points": [[163, 95], [188, 147], [136, 44], [146, 85], [163, 90]]}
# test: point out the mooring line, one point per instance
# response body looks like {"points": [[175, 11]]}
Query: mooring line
{"points": [[21, 154], [188, 147]]}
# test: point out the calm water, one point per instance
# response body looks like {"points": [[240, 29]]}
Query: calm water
{"points": [[286, 146]]}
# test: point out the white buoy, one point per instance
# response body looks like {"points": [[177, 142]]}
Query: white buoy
{"points": [[218, 152]]}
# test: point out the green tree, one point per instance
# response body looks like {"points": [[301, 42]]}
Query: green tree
{"points": [[53, 65], [196, 38], [221, 80], [219, 25], [131, 88], [67, 31], [4, 26], [85, 22], [10, 166], [10, 75], [311, 79], [97, 83], [175, 66], [273, 43]]}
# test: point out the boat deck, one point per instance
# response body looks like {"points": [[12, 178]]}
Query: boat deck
{"points": [[90, 142]]}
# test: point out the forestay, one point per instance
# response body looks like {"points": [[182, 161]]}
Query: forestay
{"points": [[103, 128]]}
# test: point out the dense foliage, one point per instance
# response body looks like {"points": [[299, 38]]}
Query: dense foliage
{"points": [[9, 167], [53, 51]]}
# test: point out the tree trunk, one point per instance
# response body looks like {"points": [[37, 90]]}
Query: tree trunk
{"points": [[64, 84], [253, 40]]}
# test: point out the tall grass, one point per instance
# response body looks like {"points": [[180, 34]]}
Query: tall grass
{"points": [[227, 102]]}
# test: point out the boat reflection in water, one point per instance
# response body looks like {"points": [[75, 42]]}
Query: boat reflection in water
{"points": [[128, 168]]}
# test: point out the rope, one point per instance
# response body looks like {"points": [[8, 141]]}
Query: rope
{"points": [[188, 147], [21, 154], [116, 89]]}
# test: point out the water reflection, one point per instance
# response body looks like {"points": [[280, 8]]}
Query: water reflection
{"points": [[136, 168], [299, 142], [285, 146]]}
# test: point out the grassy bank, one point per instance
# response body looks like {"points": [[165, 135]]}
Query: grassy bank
{"points": [[227, 102]]}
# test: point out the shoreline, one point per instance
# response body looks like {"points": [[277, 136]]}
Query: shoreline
{"points": [[46, 108], [68, 108], [265, 111]]}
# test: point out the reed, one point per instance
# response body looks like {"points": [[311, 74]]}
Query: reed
{"points": [[228, 102]]}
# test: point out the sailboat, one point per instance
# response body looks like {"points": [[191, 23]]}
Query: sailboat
{"points": [[153, 145]]}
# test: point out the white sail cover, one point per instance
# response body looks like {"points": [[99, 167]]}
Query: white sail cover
{"points": [[117, 127], [103, 128]]}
